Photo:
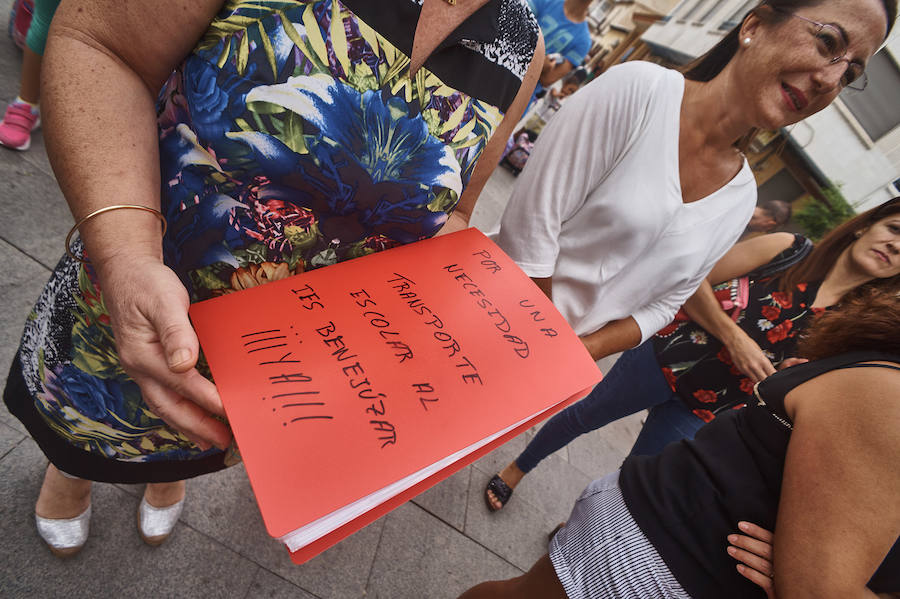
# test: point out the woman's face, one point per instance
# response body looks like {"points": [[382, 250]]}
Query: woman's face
{"points": [[877, 250], [786, 70]]}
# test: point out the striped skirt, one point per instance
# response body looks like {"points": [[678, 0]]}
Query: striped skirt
{"points": [[601, 552]]}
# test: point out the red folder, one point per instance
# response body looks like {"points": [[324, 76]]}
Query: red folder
{"points": [[352, 388]]}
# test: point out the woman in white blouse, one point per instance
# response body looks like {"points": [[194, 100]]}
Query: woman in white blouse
{"points": [[639, 186]]}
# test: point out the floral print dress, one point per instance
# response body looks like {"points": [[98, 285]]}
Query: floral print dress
{"points": [[293, 137], [699, 368]]}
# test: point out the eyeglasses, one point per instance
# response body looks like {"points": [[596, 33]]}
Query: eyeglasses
{"points": [[832, 45]]}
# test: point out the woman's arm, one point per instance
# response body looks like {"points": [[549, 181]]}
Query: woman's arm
{"points": [[748, 357], [613, 337], [490, 157], [105, 62], [838, 514], [554, 71], [746, 256], [705, 310]]}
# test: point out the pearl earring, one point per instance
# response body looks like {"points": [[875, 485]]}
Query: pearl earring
{"points": [[746, 41]]}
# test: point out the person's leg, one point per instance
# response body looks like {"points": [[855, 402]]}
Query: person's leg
{"points": [[667, 422], [62, 513], [35, 42], [22, 115], [40, 25], [62, 496], [30, 80], [540, 582], [159, 511], [164, 494], [635, 382]]}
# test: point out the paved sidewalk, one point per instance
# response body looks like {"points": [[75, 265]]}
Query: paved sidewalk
{"points": [[433, 547]]}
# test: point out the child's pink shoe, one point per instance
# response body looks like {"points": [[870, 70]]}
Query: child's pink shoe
{"points": [[17, 125]]}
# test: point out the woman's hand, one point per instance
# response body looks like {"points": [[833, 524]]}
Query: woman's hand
{"points": [[753, 550], [158, 348], [792, 362], [748, 357]]}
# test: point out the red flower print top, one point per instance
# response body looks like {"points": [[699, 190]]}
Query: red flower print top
{"points": [[699, 368]]}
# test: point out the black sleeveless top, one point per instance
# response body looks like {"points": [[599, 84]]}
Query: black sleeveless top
{"points": [[689, 497]]}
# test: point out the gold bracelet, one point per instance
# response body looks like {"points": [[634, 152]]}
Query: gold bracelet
{"points": [[153, 211]]}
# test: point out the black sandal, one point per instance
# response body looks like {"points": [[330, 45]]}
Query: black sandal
{"points": [[501, 492]]}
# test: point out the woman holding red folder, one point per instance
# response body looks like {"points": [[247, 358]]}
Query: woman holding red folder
{"points": [[815, 459], [206, 147]]}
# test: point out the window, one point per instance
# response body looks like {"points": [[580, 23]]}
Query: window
{"points": [[735, 18], [600, 9], [689, 11], [781, 186], [877, 109], [705, 16]]}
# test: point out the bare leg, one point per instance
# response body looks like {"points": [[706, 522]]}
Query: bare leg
{"points": [[164, 494], [30, 82], [62, 497], [512, 476], [538, 583]]}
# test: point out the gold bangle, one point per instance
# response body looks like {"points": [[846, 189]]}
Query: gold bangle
{"points": [[153, 211]]}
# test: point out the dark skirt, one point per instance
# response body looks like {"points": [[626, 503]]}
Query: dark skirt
{"points": [[83, 464]]}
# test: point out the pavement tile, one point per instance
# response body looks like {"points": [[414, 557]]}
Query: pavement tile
{"points": [[36, 218], [222, 506], [342, 571], [503, 455], [492, 201], [10, 62], [517, 532], [22, 281], [9, 438], [37, 153], [447, 499], [552, 487], [268, 585], [115, 562], [598, 453], [421, 557]]}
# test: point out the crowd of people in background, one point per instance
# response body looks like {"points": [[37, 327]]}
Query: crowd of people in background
{"points": [[769, 364]]}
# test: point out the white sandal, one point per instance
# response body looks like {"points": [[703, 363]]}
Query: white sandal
{"points": [[155, 524], [65, 536]]}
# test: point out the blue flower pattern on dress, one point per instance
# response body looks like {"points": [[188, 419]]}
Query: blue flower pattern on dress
{"points": [[291, 138]]}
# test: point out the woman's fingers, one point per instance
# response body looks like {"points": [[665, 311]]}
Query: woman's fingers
{"points": [[750, 557], [750, 359], [759, 579], [199, 425], [753, 550], [791, 362], [158, 348], [761, 367], [757, 532]]}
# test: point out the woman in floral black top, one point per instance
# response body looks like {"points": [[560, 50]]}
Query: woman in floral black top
{"points": [[699, 366]]}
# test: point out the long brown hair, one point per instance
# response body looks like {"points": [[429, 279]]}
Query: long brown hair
{"points": [[815, 266], [869, 321], [709, 65]]}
